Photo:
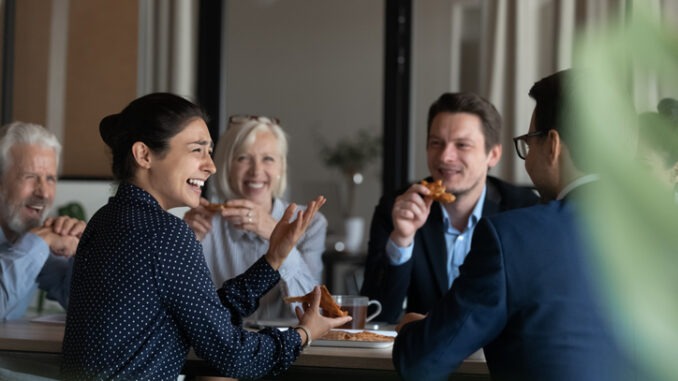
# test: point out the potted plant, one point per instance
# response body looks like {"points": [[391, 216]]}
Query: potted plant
{"points": [[351, 156]]}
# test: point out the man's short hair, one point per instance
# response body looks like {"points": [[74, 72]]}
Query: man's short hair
{"points": [[470, 103], [24, 133], [554, 110]]}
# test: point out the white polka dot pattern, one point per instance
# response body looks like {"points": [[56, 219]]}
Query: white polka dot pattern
{"points": [[141, 296]]}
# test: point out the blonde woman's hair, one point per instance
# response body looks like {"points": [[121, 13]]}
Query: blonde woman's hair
{"points": [[241, 132]]}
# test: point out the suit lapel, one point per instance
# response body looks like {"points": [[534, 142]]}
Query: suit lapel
{"points": [[436, 249], [492, 199]]}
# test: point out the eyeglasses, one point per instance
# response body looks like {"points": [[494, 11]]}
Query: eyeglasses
{"points": [[522, 147], [240, 119]]}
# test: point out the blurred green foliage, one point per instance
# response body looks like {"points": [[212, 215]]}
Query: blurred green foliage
{"points": [[74, 210], [633, 217], [353, 154]]}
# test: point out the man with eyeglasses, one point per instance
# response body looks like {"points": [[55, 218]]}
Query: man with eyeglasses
{"points": [[417, 245], [527, 292]]}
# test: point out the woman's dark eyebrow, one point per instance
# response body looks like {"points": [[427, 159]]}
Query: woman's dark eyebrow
{"points": [[203, 143]]}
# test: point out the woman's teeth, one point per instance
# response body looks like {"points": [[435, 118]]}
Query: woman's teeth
{"points": [[255, 185], [196, 182]]}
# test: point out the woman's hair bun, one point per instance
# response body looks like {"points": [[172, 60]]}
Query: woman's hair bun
{"points": [[109, 129], [669, 108]]}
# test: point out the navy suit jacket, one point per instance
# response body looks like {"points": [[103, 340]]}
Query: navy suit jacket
{"points": [[423, 279], [527, 294]]}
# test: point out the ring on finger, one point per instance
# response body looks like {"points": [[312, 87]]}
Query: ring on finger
{"points": [[249, 213], [249, 219]]}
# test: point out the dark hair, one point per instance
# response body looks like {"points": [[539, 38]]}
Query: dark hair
{"points": [[473, 104], [550, 97], [553, 111], [152, 119]]}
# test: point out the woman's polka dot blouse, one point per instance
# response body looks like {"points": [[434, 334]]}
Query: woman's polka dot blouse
{"points": [[141, 296]]}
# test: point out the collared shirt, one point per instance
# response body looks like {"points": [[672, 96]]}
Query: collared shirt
{"points": [[25, 266], [576, 183], [230, 251], [20, 264], [141, 296], [458, 243]]}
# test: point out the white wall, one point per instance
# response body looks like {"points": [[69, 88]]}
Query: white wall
{"points": [[91, 194], [318, 66]]}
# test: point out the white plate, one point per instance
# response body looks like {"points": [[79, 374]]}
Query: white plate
{"points": [[280, 324], [355, 343]]}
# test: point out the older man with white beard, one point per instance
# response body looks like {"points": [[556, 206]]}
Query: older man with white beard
{"points": [[34, 249]]}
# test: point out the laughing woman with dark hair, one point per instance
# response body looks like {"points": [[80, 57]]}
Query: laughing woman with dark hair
{"points": [[141, 294]]}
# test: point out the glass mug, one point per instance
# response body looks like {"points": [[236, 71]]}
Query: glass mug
{"points": [[356, 306]]}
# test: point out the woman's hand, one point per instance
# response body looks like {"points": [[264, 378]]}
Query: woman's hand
{"points": [[317, 324], [199, 219], [286, 233], [247, 215]]}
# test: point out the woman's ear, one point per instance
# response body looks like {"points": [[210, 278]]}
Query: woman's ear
{"points": [[142, 155]]}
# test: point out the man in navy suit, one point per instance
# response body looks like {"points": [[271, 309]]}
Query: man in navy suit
{"points": [[417, 245], [527, 291]]}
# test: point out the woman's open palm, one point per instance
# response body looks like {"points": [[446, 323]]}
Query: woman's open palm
{"points": [[286, 233]]}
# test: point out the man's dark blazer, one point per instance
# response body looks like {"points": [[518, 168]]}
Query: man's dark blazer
{"points": [[528, 294], [423, 279]]}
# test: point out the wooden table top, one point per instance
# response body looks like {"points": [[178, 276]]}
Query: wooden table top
{"points": [[47, 338]]}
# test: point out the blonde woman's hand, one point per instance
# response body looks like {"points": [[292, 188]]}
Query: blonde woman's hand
{"points": [[199, 219], [286, 233], [247, 215]]}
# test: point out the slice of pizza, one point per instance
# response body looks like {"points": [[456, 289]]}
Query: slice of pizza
{"points": [[215, 207], [438, 191], [327, 303]]}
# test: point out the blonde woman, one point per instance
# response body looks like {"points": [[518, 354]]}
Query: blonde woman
{"points": [[251, 177]]}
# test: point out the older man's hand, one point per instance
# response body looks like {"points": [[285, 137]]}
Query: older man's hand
{"points": [[62, 234]]}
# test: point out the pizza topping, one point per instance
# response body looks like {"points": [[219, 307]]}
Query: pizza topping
{"points": [[357, 336]]}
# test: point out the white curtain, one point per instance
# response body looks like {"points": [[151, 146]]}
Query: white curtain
{"points": [[522, 42], [648, 89], [167, 47]]}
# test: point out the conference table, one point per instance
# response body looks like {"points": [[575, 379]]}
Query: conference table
{"points": [[40, 343]]}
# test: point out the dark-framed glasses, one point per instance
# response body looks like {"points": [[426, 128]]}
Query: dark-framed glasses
{"points": [[522, 147], [240, 119]]}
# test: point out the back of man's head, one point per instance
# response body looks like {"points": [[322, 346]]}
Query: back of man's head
{"points": [[24, 133], [472, 104], [553, 111]]}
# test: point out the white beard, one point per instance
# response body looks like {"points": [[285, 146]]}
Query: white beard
{"points": [[11, 215]]}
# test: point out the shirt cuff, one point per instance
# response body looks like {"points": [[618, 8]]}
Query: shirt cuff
{"points": [[32, 243], [398, 255]]}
